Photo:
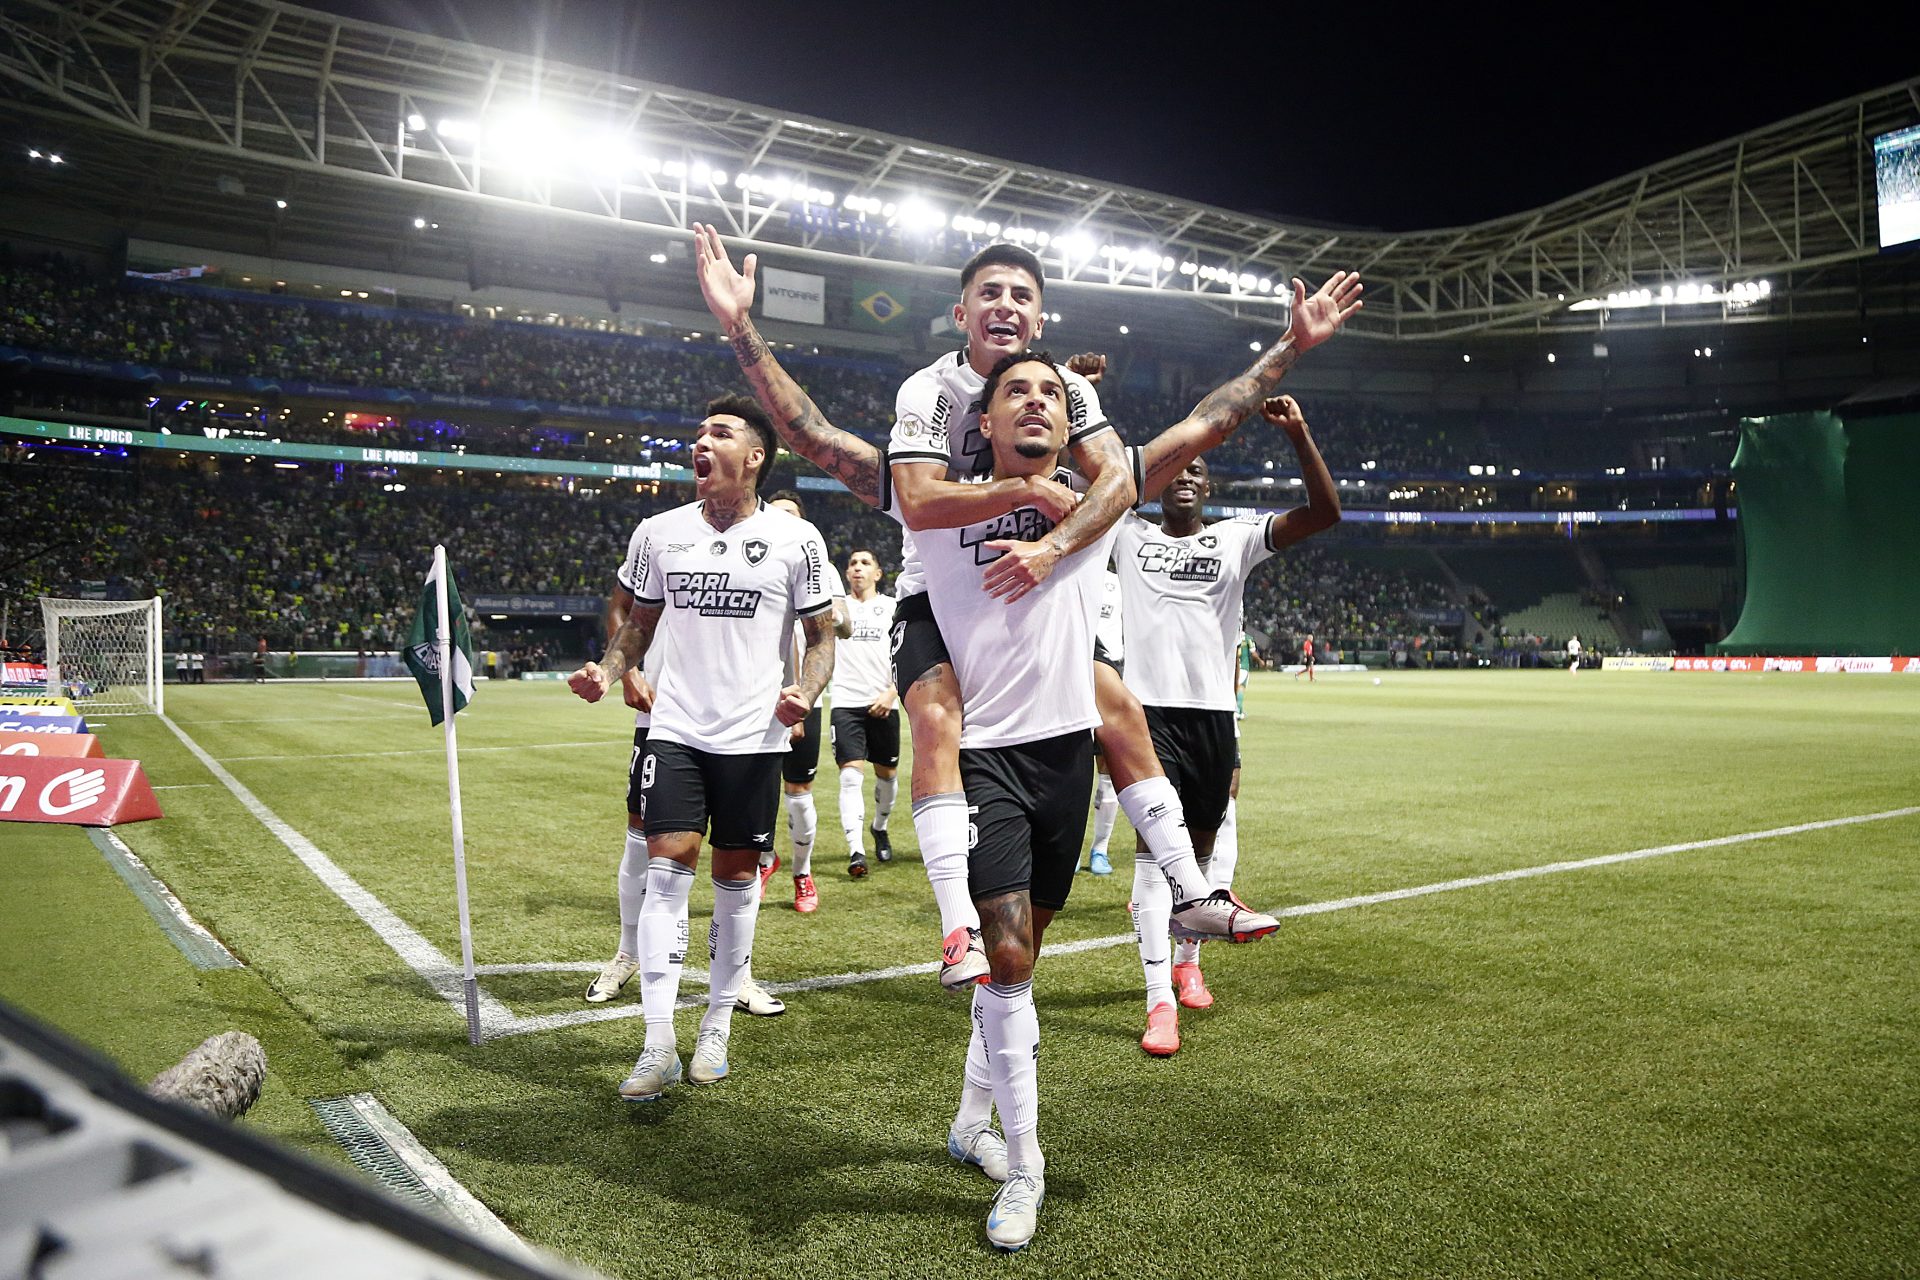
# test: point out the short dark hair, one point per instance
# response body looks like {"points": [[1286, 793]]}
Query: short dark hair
{"points": [[863, 551], [748, 410], [1007, 362], [789, 495], [1011, 255]]}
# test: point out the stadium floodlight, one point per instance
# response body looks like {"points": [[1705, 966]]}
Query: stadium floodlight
{"points": [[56, 158], [1254, 345], [1475, 469], [656, 257], [419, 224], [1550, 357], [416, 121], [1079, 244], [279, 204], [1466, 359], [1124, 330], [33, 153], [455, 130]]}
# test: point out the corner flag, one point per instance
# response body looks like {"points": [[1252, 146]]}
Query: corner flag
{"points": [[423, 650]]}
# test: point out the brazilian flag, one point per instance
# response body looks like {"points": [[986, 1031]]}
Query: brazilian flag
{"points": [[878, 308]]}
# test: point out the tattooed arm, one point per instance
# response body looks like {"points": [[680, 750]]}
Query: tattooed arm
{"points": [[624, 651], [1220, 413], [1025, 565], [799, 422], [816, 668]]}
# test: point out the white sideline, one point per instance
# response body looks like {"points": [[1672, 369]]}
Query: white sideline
{"points": [[605, 1013], [407, 942]]}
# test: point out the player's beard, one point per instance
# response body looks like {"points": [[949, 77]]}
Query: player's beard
{"points": [[1034, 449]]}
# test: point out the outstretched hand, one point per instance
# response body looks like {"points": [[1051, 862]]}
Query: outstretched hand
{"points": [[1318, 316], [729, 293]]}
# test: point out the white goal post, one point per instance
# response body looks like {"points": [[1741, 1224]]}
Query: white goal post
{"points": [[105, 654]]}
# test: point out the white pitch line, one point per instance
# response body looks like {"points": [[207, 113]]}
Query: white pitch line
{"points": [[181, 786], [407, 942], [358, 715], [605, 1013], [430, 751]]}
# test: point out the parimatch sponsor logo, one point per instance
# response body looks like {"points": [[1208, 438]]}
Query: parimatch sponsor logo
{"points": [[709, 595], [1024, 525], [1179, 563]]}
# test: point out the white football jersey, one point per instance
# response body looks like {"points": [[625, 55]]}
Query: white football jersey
{"points": [[1026, 668], [1183, 607], [655, 657], [936, 418], [863, 662], [1108, 629], [728, 599]]}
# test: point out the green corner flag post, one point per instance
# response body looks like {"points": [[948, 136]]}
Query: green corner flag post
{"points": [[443, 664]]}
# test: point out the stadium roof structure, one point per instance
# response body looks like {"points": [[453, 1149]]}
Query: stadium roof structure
{"points": [[198, 107]]}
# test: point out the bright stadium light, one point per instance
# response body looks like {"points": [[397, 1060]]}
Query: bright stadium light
{"points": [[457, 130], [56, 158], [416, 122], [419, 224], [1124, 331], [279, 204]]}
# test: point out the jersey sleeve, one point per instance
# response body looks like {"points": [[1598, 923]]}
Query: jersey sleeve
{"points": [[1084, 418], [644, 565], [813, 576], [628, 574], [921, 413], [1257, 542]]}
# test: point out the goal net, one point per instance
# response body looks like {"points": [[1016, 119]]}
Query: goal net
{"points": [[105, 654]]}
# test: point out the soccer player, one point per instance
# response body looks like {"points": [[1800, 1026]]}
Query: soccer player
{"points": [[1306, 659], [936, 436], [1573, 653], [637, 685], [866, 723], [802, 760], [1244, 656], [1183, 582], [725, 576]]}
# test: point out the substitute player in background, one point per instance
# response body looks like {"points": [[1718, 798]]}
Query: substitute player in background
{"points": [[725, 576], [866, 723], [1573, 653], [1183, 582], [1244, 656], [802, 760]]}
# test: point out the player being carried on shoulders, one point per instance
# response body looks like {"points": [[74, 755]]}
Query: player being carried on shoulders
{"points": [[936, 441]]}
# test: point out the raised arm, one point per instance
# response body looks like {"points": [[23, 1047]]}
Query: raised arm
{"points": [[1315, 319], [624, 650], [799, 422], [1321, 510]]}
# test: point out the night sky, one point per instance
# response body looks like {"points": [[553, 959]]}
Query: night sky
{"points": [[1364, 117]]}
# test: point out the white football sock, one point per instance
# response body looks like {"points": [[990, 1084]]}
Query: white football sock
{"points": [[1106, 807], [1153, 807], [632, 883], [884, 789], [1152, 916], [802, 822], [1011, 1029], [736, 906], [853, 808], [1226, 849], [976, 1091], [663, 946], [941, 824]]}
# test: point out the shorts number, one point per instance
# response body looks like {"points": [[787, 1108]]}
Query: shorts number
{"points": [[646, 773]]}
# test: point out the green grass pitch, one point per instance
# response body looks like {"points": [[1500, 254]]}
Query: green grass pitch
{"points": [[1698, 1063]]}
